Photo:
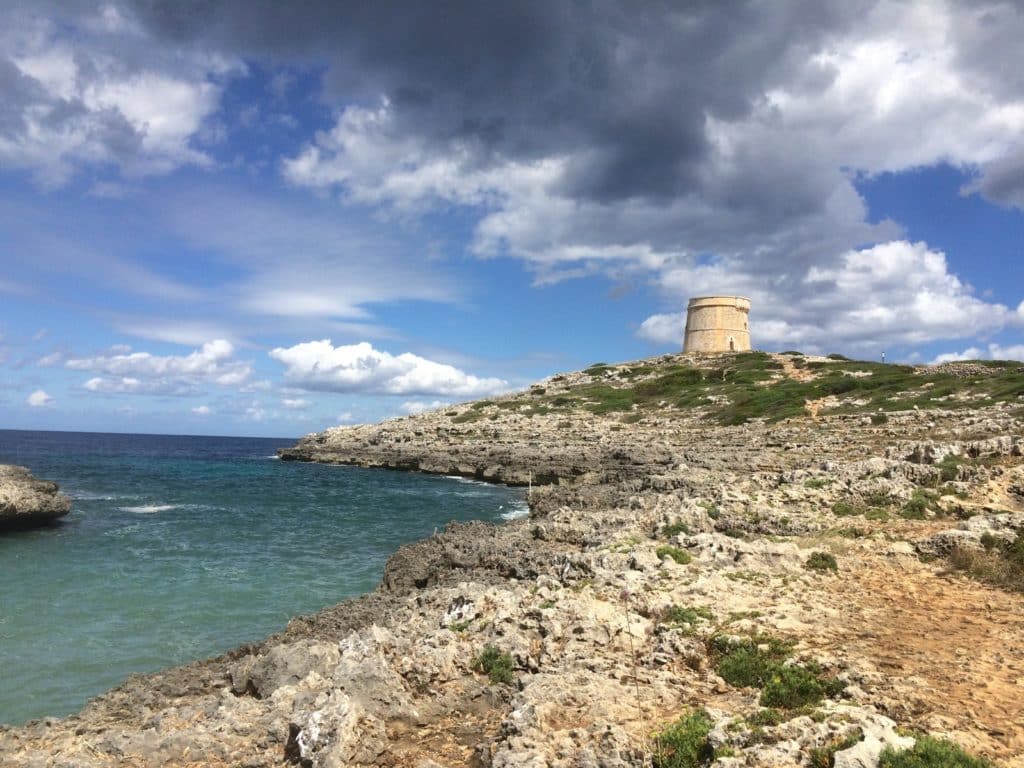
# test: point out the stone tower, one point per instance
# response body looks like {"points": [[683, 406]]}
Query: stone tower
{"points": [[717, 324]]}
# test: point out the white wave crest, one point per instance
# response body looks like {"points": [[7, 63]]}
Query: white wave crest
{"points": [[149, 509], [516, 510]]}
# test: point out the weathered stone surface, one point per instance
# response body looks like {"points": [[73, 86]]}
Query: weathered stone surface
{"points": [[26, 502], [588, 612]]}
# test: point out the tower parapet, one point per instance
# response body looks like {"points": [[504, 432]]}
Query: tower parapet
{"points": [[717, 324]]}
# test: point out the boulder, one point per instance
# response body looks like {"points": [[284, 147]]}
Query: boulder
{"points": [[26, 502]]}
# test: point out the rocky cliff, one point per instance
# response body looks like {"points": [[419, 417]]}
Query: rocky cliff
{"points": [[748, 561], [26, 502]]}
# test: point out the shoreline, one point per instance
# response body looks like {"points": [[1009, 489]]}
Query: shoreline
{"points": [[611, 599]]}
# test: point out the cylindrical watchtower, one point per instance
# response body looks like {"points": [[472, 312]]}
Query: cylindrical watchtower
{"points": [[717, 324]]}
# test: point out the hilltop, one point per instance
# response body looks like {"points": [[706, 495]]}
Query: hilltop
{"points": [[745, 560]]}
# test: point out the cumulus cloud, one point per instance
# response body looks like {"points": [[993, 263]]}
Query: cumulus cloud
{"points": [[894, 293], [994, 351], [144, 373], [202, 410], [295, 403], [70, 101], [39, 399], [319, 365]]}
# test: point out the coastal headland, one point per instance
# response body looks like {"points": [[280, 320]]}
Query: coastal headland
{"points": [[739, 560]]}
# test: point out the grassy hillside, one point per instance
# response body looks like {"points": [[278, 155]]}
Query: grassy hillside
{"points": [[732, 389]]}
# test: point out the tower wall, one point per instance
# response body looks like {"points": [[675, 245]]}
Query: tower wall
{"points": [[717, 324]]}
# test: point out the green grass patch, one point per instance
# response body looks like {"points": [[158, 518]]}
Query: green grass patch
{"points": [[692, 615], [818, 482], [795, 686], [929, 752], [495, 663], [681, 556], [684, 744]]}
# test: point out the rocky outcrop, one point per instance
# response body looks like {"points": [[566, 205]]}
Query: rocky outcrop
{"points": [[26, 502], [650, 543]]}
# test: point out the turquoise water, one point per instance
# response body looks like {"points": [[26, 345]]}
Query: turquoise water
{"points": [[179, 548]]}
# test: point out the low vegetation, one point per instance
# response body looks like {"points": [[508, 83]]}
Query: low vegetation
{"points": [[821, 562], [681, 556], [825, 757], [1000, 562], [684, 743], [495, 663], [929, 752], [734, 389], [764, 662]]}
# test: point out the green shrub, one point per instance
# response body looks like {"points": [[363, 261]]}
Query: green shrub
{"points": [[949, 468], [879, 418], [844, 509], [818, 482], [794, 686], [767, 717], [677, 614], [749, 662], [674, 529], [684, 744], [835, 356], [681, 556], [494, 663], [821, 561], [929, 752], [877, 514]]}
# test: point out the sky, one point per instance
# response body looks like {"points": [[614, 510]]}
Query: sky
{"points": [[244, 217]]}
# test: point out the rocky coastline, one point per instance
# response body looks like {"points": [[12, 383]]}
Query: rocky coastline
{"points": [[27, 502], [783, 586]]}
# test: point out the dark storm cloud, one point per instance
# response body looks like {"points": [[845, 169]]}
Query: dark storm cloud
{"points": [[631, 82]]}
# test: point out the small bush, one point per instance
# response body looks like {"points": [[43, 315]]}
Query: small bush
{"points": [[877, 514], [929, 752], [684, 744], [835, 356], [821, 561], [749, 662], [844, 509], [769, 717], [1000, 563], [681, 556], [879, 418], [949, 468], [818, 482], [791, 687], [825, 757], [674, 529], [495, 663], [677, 614]]}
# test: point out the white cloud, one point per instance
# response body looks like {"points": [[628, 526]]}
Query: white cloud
{"points": [[994, 351], [54, 358], [74, 102], [418, 406], [145, 373], [295, 404], [39, 399], [772, 194], [319, 365], [346, 417], [202, 410], [894, 293]]}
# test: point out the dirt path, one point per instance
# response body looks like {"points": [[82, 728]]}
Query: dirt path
{"points": [[951, 650]]}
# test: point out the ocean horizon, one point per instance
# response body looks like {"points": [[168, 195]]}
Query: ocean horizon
{"points": [[180, 547]]}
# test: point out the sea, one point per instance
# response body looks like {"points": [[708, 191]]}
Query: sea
{"points": [[180, 548]]}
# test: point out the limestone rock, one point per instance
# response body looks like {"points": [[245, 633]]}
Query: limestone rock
{"points": [[27, 502]]}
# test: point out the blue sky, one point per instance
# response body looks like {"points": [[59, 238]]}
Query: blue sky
{"points": [[241, 218]]}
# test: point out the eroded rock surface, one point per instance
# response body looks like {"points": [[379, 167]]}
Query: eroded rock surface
{"points": [[648, 541], [27, 502]]}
